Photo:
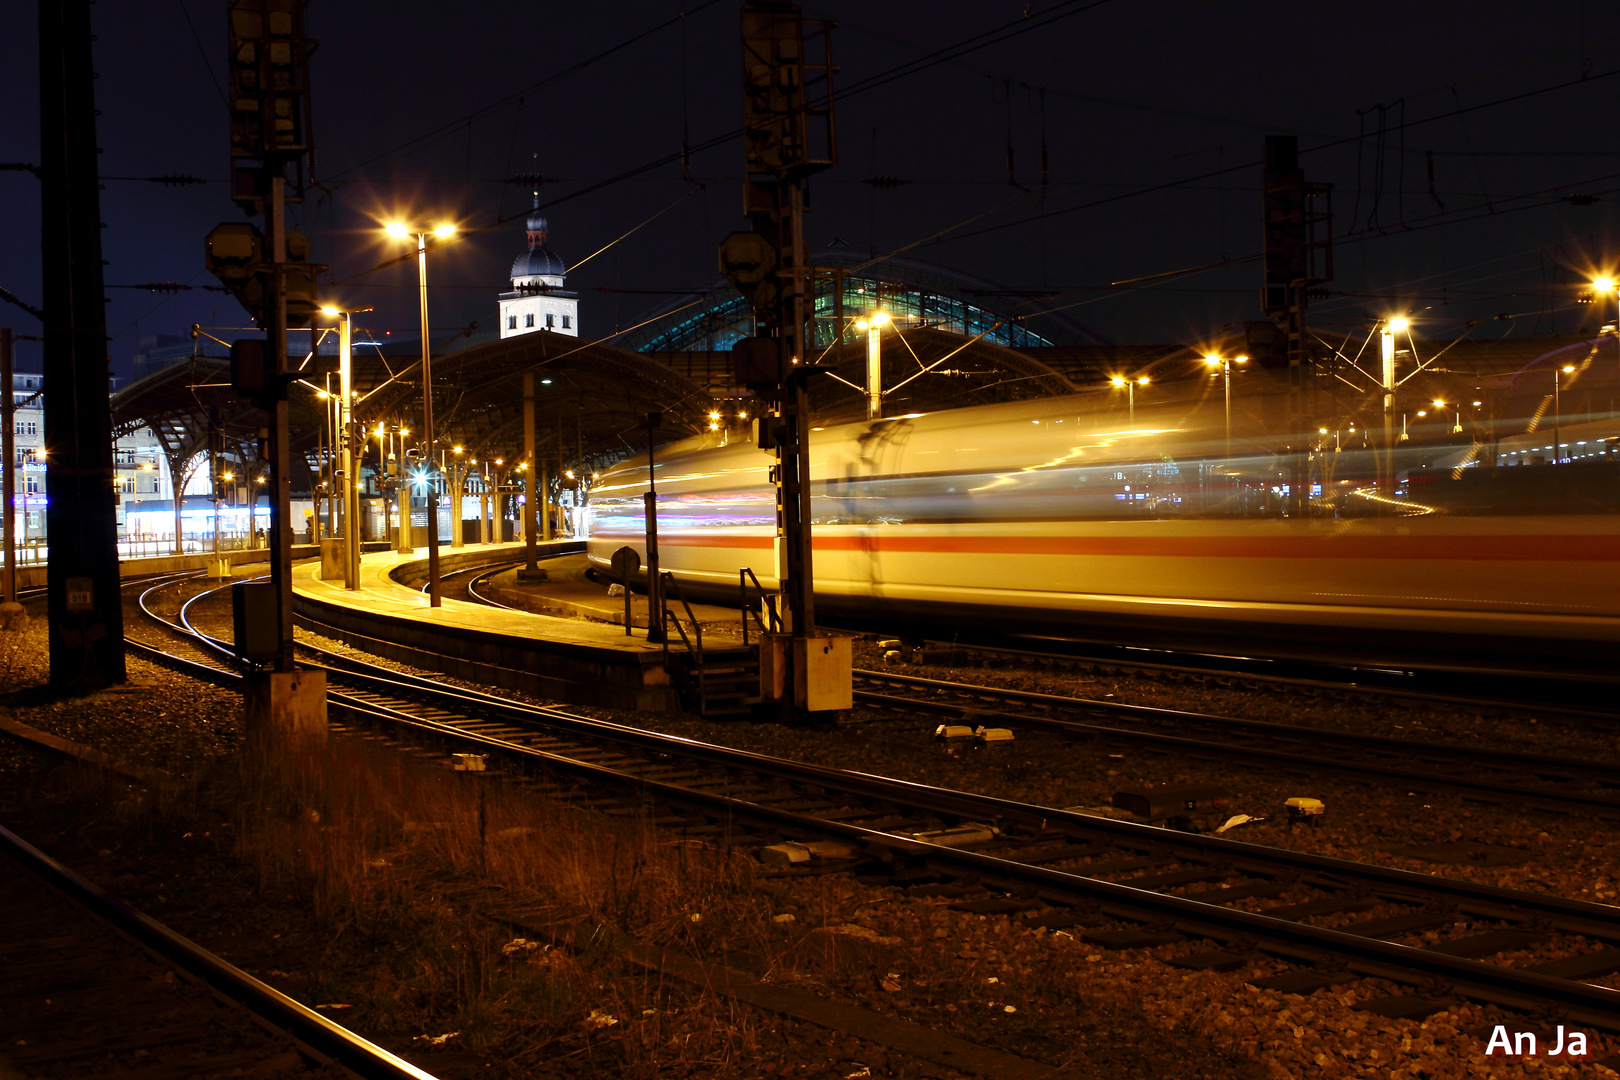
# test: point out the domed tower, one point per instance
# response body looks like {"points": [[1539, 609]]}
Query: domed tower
{"points": [[538, 300]]}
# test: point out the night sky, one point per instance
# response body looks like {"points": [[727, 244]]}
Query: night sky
{"points": [[1152, 113]]}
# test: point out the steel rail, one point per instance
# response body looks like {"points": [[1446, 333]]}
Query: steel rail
{"points": [[1246, 669], [319, 1037], [1577, 916], [1295, 941], [1540, 798]]}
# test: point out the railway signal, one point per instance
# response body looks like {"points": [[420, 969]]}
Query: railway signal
{"points": [[269, 271], [788, 137]]}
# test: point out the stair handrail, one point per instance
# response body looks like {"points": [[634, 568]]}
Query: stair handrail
{"points": [[744, 575], [668, 579]]}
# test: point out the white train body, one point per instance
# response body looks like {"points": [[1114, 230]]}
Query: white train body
{"points": [[1055, 513]]}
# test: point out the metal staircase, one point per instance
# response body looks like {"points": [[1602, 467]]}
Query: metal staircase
{"points": [[716, 682]]}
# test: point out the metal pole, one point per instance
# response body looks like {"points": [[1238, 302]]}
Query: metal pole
{"points": [[1226, 378], [655, 585], [529, 459], [874, 370], [8, 407], [351, 485], [280, 460], [1557, 416], [402, 495], [85, 606], [427, 428], [1386, 482]]}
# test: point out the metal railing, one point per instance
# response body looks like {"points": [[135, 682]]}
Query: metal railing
{"points": [[666, 616], [744, 576]]}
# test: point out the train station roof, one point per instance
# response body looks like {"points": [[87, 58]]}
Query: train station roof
{"points": [[589, 395]]}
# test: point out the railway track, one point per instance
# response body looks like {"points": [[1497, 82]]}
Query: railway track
{"points": [[90, 986], [1559, 785], [1117, 884], [467, 578], [1581, 698]]}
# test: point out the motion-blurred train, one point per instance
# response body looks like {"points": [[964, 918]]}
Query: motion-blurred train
{"points": [[1061, 515]]}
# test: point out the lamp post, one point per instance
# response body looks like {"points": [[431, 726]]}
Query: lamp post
{"points": [[873, 325], [400, 232], [1386, 343], [1130, 386], [1558, 378], [347, 439], [1225, 364], [1608, 284]]}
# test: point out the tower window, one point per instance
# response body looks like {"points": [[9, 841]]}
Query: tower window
{"points": [[567, 322], [528, 320], [511, 322], [549, 322]]}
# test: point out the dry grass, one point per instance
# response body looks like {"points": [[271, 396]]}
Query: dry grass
{"points": [[407, 871]]}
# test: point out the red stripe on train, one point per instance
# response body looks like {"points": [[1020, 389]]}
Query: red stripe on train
{"points": [[1468, 548]]}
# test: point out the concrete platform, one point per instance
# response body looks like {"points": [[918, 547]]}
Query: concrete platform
{"points": [[570, 593], [33, 575], [569, 659]]}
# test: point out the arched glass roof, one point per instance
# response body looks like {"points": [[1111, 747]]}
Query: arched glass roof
{"points": [[915, 293]]}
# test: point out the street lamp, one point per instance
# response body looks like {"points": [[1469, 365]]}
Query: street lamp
{"points": [[349, 437], [400, 232], [873, 324], [1225, 364], [1558, 374], [1608, 284], [1386, 341], [1130, 386]]}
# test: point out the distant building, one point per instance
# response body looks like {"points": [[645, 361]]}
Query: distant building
{"points": [[538, 301]]}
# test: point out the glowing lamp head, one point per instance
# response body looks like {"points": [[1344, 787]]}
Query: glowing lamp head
{"points": [[1438, 403], [1212, 360], [1118, 380], [397, 230], [1142, 380], [1567, 368], [1398, 324], [1604, 284], [1240, 359], [455, 449], [879, 318], [861, 324], [443, 231], [330, 312]]}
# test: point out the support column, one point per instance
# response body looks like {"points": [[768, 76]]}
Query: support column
{"points": [[8, 450], [532, 461], [85, 605]]}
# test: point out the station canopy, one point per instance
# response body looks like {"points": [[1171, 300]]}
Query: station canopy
{"points": [[952, 340], [589, 396]]}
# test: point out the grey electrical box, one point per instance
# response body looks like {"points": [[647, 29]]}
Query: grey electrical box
{"points": [[253, 613]]}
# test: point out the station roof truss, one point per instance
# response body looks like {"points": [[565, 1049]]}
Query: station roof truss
{"points": [[591, 400], [915, 292]]}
